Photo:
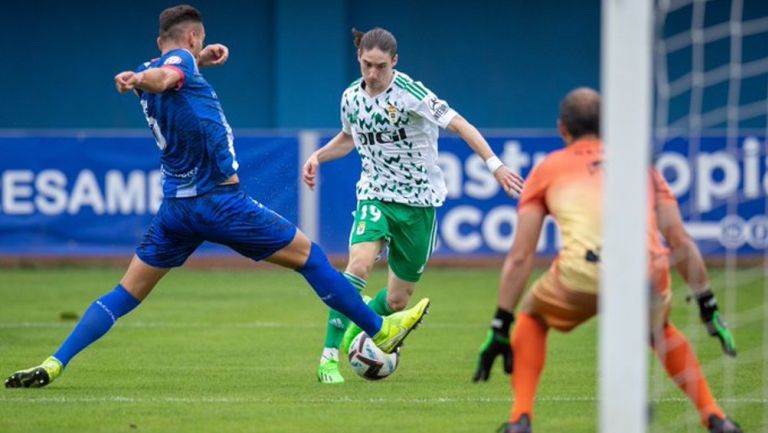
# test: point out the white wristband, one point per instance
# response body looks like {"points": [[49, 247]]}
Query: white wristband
{"points": [[493, 163]]}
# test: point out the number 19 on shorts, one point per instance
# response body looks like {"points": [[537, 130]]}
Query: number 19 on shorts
{"points": [[368, 212]]}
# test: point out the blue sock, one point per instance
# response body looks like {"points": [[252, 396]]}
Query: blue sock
{"points": [[337, 292], [96, 321]]}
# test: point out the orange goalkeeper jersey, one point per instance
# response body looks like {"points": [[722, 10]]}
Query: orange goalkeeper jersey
{"points": [[568, 184]]}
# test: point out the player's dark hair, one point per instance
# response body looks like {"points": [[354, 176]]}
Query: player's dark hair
{"points": [[171, 18], [375, 38], [580, 112]]}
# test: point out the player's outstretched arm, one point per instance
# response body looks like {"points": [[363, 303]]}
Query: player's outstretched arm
{"points": [[511, 182], [213, 55], [155, 80], [338, 147], [514, 274], [686, 257]]}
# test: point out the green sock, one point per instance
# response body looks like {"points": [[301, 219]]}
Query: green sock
{"points": [[337, 322], [379, 303]]}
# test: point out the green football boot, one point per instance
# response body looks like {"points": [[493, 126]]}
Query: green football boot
{"points": [[36, 377], [328, 372]]}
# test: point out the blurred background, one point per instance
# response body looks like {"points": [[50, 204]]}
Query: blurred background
{"points": [[79, 170], [504, 64]]}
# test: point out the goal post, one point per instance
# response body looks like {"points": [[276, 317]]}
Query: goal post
{"points": [[626, 85]]}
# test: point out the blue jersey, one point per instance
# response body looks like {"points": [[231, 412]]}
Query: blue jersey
{"points": [[191, 131]]}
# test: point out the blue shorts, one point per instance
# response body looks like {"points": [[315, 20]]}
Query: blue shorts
{"points": [[225, 215]]}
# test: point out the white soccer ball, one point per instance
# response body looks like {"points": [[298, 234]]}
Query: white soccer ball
{"points": [[368, 361]]}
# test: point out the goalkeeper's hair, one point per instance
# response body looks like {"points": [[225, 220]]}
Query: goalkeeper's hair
{"points": [[375, 38], [172, 20], [580, 112]]}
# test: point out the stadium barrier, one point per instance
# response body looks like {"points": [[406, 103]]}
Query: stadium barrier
{"points": [[92, 194]]}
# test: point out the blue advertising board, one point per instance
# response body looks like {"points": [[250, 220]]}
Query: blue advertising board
{"points": [[95, 194], [721, 186]]}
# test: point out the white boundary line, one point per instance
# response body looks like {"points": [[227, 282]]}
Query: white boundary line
{"points": [[31, 398], [181, 325]]}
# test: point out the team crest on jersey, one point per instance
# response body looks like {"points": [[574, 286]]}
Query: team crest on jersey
{"points": [[173, 60], [393, 114]]}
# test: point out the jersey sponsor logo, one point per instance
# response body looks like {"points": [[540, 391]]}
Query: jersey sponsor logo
{"points": [[173, 60], [371, 138], [437, 107]]}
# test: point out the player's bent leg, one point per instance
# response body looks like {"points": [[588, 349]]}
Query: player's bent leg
{"points": [[97, 320], [362, 256], [333, 289], [549, 304], [295, 254], [140, 278], [679, 360], [529, 349], [388, 300], [396, 327], [328, 371], [399, 292], [329, 284], [402, 291]]}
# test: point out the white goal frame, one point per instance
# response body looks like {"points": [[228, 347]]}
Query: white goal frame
{"points": [[626, 85]]}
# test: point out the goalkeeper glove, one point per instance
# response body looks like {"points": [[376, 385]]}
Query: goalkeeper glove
{"points": [[716, 327], [496, 343]]}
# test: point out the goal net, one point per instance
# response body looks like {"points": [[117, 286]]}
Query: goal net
{"points": [[710, 69]]}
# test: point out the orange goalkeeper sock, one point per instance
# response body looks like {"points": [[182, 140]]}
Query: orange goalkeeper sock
{"points": [[529, 344], [679, 359]]}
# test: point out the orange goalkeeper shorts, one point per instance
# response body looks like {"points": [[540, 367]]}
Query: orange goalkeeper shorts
{"points": [[564, 309], [561, 307]]}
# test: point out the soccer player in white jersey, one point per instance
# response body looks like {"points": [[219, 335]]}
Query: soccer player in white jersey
{"points": [[392, 121]]}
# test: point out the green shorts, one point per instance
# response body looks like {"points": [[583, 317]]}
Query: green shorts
{"points": [[410, 231]]}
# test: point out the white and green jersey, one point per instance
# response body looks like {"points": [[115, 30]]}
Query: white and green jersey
{"points": [[395, 133]]}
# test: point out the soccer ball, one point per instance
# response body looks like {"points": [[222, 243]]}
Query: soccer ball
{"points": [[368, 361]]}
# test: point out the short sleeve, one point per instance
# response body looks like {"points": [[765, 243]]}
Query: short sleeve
{"points": [[534, 193], [346, 126], [181, 61], [426, 104]]}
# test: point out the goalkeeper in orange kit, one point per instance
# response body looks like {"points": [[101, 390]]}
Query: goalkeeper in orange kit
{"points": [[568, 186]]}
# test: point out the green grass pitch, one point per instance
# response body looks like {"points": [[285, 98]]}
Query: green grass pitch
{"points": [[236, 351]]}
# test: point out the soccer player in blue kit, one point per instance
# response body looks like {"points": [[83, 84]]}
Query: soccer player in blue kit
{"points": [[204, 202]]}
